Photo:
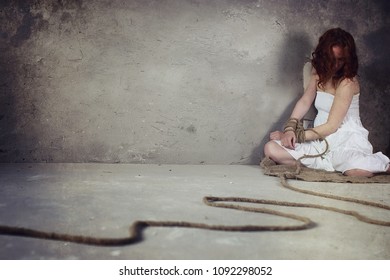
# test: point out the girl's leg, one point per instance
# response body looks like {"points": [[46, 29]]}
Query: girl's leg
{"points": [[278, 154], [361, 172], [358, 173]]}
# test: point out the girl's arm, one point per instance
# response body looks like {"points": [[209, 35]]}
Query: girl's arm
{"points": [[303, 105], [342, 100]]}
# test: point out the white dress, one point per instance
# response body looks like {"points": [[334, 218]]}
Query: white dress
{"points": [[349, 147]]}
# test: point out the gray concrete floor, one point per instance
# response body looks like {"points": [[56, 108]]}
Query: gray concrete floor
{"points": [[104, 199]]}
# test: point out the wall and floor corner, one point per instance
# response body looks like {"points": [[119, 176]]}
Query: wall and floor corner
{"points": [[187, 91], [186, 82]]}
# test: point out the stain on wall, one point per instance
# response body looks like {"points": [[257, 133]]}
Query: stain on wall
{"points": [[187, 82]]}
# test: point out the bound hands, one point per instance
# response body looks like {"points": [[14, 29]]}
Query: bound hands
{"points": [[287, 138]]}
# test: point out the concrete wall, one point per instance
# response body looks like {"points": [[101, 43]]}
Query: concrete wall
{"points": [[174, 81]]}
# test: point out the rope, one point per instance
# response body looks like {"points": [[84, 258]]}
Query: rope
{"points": [[137, 228]]}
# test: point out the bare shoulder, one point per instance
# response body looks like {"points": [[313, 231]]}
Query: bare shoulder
{"points": [[350, 85], [314, 74], [314, 78], [312, 86], [310, 89]]}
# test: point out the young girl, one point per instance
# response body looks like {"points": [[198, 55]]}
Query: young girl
{"points": [[334, 89]]}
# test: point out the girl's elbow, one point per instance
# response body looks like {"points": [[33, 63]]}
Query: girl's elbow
{"points": [[331, 129], [327, 129]]}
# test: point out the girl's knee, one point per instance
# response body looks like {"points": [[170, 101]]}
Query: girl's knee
{"points": [[275, 152], [270, 149], [267, 149], [358, 173]]}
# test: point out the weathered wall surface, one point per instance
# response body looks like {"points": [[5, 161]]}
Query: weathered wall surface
{"points": [[171, 81]]}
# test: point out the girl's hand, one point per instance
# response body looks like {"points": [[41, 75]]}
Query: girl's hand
{"points": [[276, 135], [288, 140]]}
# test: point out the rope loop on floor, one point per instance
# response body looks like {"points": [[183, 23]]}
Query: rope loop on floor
{"points": [[137, 228]]}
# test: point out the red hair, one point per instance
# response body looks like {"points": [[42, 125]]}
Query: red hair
{"points": [[324, 61]]}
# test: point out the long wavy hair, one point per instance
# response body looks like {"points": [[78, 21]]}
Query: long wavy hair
{"points": [[324, 62]]}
